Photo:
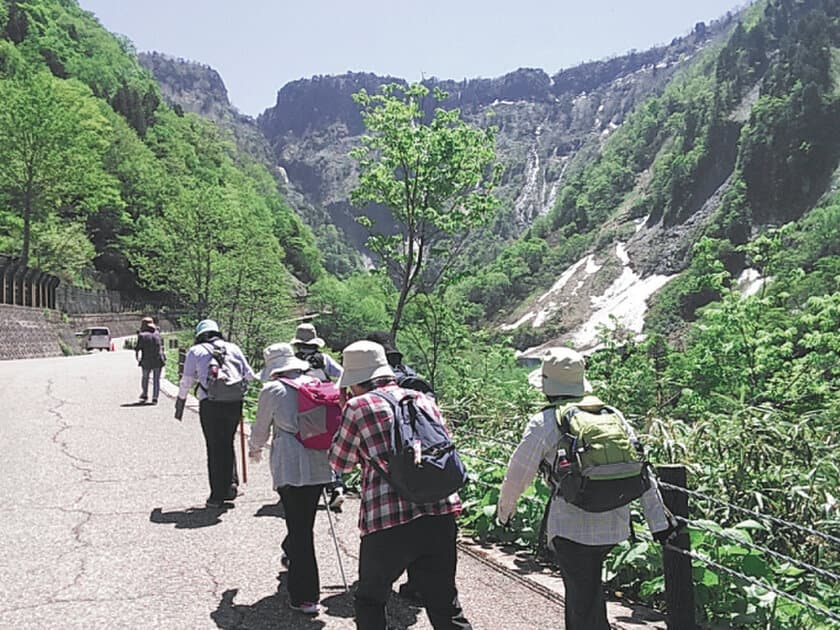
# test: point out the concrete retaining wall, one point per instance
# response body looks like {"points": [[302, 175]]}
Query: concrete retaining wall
{"points": [[28, 333]]}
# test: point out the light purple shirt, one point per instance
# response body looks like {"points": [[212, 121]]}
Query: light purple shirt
{"points": [[197, 362]]}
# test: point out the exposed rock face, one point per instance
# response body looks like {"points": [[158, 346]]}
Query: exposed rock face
{"points": [[197, 88], [546, 124]]}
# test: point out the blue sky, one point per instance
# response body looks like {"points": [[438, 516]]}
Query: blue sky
{"points": [[260, 45]]}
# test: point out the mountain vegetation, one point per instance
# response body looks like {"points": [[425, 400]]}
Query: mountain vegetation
{"points": [[103, 184]]}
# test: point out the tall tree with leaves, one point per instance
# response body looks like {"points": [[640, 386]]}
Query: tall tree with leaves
{"points": [[51, 140], [435, 174]]}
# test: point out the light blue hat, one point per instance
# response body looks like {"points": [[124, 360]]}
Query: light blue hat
{"points": [[205, 326]]}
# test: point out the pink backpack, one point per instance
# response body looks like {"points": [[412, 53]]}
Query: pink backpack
{"points": [[319, 412]]}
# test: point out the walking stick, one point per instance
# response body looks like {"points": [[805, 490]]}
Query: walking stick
{"points": [[335, 540], [242, 445]]}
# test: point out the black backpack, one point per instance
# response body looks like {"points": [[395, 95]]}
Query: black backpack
{"points": [[317, 364], [408, 378], [431, 474]]}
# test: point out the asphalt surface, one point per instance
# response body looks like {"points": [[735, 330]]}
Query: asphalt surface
{"points": [[104, 524]]}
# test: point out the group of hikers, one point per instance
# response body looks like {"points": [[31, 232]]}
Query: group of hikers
{"points": [[402, 528]]}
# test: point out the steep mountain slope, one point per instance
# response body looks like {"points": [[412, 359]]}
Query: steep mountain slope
{"points": [[197, 88], [545, 125]]}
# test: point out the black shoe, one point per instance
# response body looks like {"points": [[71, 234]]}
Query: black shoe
{"points": [[213, 504], [143, 398], [154, 401], [336, 499], [233, 493], [409, 592]]}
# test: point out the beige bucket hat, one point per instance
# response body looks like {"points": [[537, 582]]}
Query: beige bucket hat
{"points": [[306, 333], [561, 373], [363, 361], [279, 358]]}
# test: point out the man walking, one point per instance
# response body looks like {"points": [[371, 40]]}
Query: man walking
{"points": [[580, 539], [396, 534], [150, 357]]}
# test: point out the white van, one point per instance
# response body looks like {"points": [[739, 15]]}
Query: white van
{"points": [[96, 338]]}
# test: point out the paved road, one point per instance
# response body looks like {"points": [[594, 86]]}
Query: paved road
{"points": [[104, 526]]}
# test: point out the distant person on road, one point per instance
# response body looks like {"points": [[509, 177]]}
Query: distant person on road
{"points": [[580, 539], [396, 534], [222, 373], [308, 345], [150, 357], [299, 473]]}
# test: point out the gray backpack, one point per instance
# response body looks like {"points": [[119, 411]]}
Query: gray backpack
{"points": [[225, 381]]}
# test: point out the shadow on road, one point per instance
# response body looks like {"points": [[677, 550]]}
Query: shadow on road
{"points": [[273, 612], [191, 518], [269, 613], [139, 403], [272, 509]]}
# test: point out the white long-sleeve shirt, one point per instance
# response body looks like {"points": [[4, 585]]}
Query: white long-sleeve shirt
{"points": [[292, 464], [540, 441], [197, 362]]}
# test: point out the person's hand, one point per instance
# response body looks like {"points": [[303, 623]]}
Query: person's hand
{"points": [[255, 456], [179, 407], [504, 517], [665, 536]]}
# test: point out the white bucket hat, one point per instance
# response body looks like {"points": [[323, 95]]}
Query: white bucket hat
{"points": [[561, 374], [306, 333], [363, 361], [280, 357]]}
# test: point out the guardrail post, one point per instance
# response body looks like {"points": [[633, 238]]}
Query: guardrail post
{"points": [[679, 586]]}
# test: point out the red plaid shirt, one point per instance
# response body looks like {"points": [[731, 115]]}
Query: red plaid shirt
{"points": [[364, 434]]}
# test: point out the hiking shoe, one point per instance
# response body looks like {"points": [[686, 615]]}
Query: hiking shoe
{"points": [[143, 398], [154, 401], [213, 504], [233, 493], [336, 499], [307, 608], [409, 592], [284, 560]]}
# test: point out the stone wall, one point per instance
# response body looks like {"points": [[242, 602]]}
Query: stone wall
{"points": [[29, 333]]}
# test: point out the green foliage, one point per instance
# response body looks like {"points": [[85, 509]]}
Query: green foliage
{"points": [[435, 176], [352, 308]]}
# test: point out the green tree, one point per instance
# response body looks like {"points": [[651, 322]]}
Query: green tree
{"points": [[435, 174], [52, 141]]}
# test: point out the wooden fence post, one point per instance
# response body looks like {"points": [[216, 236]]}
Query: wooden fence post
{"points": [[679, 585]]}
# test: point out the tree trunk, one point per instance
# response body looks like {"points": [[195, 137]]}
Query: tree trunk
{"points": [[27, 227]]}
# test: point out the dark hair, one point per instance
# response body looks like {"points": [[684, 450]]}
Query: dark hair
{"points": [[207, 336], [385, 340]]}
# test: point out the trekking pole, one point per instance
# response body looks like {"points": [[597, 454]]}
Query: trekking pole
{"points": [[335, 539], [242, 445]]}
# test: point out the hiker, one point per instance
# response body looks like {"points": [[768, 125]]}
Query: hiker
{"points": [[580, 539], [396, 534], [406, 376], [149, 354], [408, 379], [299, 474], [219, 412], [307, 345]]}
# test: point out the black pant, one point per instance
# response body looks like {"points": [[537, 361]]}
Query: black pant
{"points": [[218, 422], [300, 504], [427, 545], [580, 566]]}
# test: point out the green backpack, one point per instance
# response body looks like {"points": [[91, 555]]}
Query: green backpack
{"points": [[600, 465]]}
